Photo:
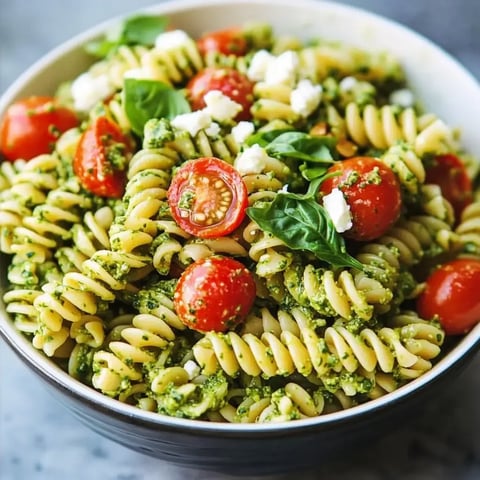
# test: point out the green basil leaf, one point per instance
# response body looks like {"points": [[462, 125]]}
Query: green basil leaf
{"points": [[302, 146], [263, 138], [136, 30], [146, 99], [303, 224], [142, 30], [312, 173]]}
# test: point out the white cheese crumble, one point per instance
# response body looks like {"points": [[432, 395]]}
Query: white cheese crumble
{"points": [[253, 159], [192, 369], [348, 83], [171, 40], [213, 130], [242, 130], [88, 89], [305, 98], [259, 64], [338, 209], [283, 69], [192, 122], [220, 107], [403, 97]]}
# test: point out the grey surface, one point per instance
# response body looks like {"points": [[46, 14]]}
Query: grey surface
{"points": [[39, 440]]}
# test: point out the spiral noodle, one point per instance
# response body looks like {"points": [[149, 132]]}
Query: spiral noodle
{"points": [[326, 59], [336, 354], [221, 60], [272, 102], [149, 176], [50, 223], [187, 146], [140, 342], [468, 230], [383, 128], [292, 401], [29, 183]]}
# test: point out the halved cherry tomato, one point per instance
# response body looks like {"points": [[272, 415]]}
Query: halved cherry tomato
{"points": [[229, 81], [208, 197], [449, 172], [230, 41], [32, 125], [101, 159], [215, 293], [372, 191], [451, 294]]}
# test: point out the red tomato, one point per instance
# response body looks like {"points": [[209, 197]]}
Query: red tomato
{"points": [[31, 127], [215, 293], [229, 42], [208, 197], [101, 158], [373, 193], [451, 294], [449, 172], [229, 81]]}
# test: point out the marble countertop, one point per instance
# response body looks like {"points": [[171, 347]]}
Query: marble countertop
{"points": [[39, 440]]}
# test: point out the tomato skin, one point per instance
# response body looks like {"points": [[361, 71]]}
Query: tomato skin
{"points": [[91, 163], [215, 293], [449, 172], [208, 197], [230, 41], [373, 193], [32, 125], [229, 81], [451, 293]]}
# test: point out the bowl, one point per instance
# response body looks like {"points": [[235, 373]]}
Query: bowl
{"points": [[263, 448]]}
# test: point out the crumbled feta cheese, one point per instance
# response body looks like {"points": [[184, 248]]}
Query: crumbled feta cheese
{"points": [[259, 64], [171, 40], [253, 159], [213, 130], [305, 98], [192, 369], [403, 97], [348, 83], [220, 107], [283, 69], [242, 130], [88, 89], [338, 209], [192, 122]]}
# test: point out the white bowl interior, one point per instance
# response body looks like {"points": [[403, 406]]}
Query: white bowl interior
{"points": [[444, 86]]}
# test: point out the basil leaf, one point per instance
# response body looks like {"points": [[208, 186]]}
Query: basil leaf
{"points": [[312, 173], [303, 224], [146, 99], [142, 30], [264, 138], [302, 146], [137, 30]]}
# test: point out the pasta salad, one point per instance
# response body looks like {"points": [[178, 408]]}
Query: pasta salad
{"points": [[241, 227]]}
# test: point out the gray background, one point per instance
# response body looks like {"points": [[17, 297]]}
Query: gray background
{"points": [[39, 440]]}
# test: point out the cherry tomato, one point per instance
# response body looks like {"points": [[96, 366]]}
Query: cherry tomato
{"points": [[208, 197], [449, 172], [229, 42], [101, 158], [373, 193], [215, 293], [229, 81], [32, 125], [451, 294]]}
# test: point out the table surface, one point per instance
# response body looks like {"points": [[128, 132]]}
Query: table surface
{"points": [[40, 440]]}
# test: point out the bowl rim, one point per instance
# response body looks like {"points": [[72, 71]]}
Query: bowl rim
{"points": [[44, 366]]}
